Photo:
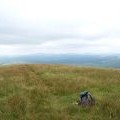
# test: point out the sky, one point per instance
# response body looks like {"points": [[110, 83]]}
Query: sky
{"points": [[59, 27]]}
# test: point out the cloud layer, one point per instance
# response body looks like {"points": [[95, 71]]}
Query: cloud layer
{"points": [[63, 47], [65, 26]]}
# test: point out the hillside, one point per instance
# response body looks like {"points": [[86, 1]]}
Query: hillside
{"points": [[48, 92], [110, 61]]}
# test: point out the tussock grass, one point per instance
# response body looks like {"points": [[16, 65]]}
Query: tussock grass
{"points": [[48, 92]]}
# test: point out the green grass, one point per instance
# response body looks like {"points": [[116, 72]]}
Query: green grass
{"points": [[48, 92]]}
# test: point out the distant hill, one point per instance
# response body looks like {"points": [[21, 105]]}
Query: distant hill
{"points": [[49, 92], [71, 59]]}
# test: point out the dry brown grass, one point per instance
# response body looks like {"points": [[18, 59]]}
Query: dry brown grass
{"points": [[47, 92]]}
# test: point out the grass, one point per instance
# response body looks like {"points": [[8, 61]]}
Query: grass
{"points": [[48, 92]]}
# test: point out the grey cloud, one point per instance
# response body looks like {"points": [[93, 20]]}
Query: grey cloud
{"points": [[15, 31], [26, 35]]}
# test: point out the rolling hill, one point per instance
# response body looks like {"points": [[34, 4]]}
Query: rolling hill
{"points": [[48, 92], [67, 59]]}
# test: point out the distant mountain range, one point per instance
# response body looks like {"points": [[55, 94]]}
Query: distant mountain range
{"points": [[70, 59]]}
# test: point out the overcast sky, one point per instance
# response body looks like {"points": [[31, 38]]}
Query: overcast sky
{"points": [[59, 26]]}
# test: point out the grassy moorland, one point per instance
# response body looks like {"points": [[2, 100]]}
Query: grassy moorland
{"points": [[48, 92]]}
